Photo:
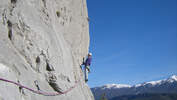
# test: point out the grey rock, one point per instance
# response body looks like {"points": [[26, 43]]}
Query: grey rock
{"points": [[42, 36]]}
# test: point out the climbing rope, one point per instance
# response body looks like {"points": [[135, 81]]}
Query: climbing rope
{"points": [[39, 91]]}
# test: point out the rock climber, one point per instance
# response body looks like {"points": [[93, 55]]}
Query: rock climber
{"points": [[87, 64]]}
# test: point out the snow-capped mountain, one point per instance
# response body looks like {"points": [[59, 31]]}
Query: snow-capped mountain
{"points": [[109, 86], [172, 79], [160, 86]]}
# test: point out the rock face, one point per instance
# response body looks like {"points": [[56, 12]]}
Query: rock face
{"points": [[42, 44]]}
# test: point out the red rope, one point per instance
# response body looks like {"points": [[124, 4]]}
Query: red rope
{"points": [[40, 92]]}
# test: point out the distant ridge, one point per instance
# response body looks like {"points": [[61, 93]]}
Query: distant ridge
{"points": [[147, 97], [168, 85]]}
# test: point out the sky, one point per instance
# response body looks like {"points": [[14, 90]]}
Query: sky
{"points": [[132, 41]]}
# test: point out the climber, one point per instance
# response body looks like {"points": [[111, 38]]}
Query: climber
{"points": [[87, 64]]}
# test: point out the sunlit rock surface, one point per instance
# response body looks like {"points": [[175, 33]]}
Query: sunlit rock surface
{"points": [[39, 40]]}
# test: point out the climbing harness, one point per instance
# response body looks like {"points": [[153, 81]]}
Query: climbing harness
{"points": [[39, 91]]}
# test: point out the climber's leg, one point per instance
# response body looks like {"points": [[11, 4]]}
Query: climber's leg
{"points": [[86, 73]]}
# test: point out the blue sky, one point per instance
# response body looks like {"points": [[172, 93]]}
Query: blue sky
{"points": [[132, 41]]}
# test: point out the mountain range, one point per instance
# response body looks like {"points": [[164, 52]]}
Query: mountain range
{"points": [[149, 96], [168, 86]]}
